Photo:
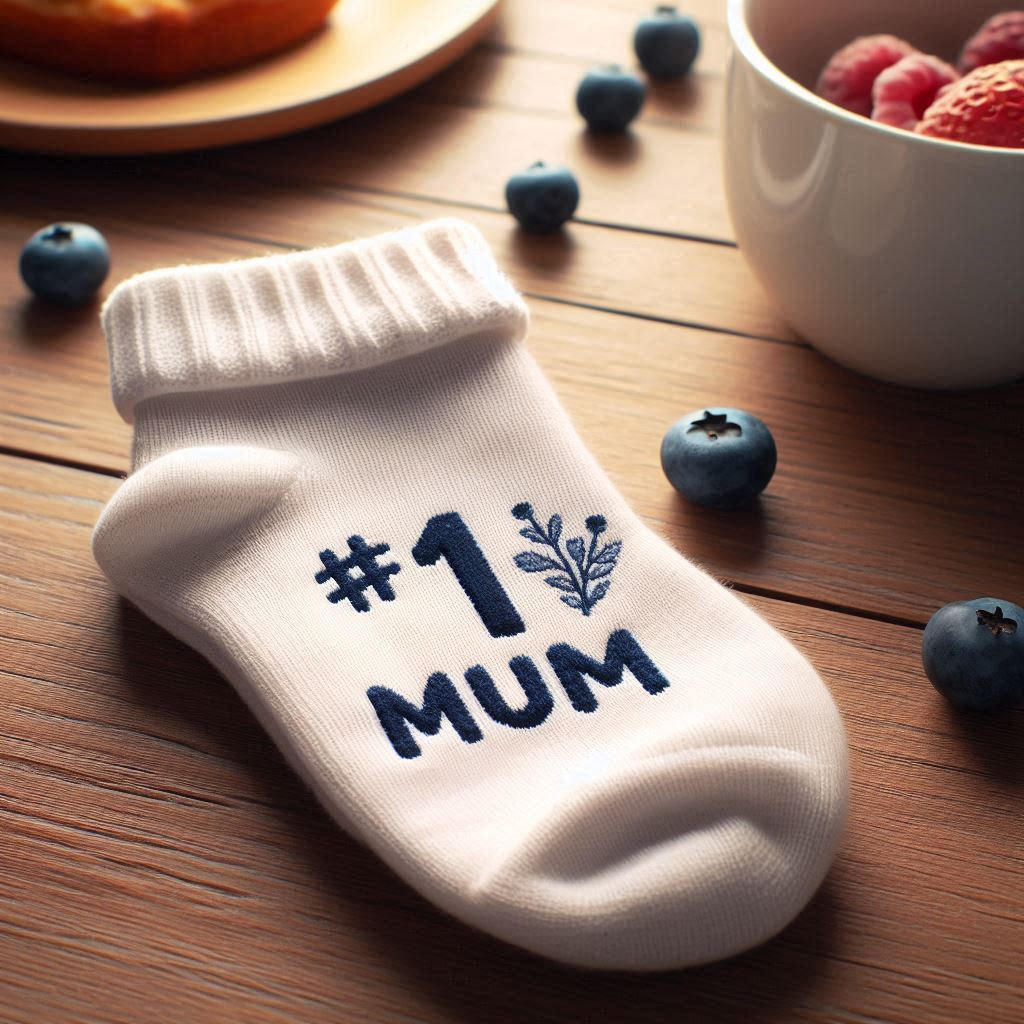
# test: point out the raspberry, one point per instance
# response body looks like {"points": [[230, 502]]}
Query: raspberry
{"points": [[850, 74], [1000, 38], [985, 107], [903, 92]]}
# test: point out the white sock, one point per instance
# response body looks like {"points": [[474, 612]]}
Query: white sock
{"points": [[536, 712]]}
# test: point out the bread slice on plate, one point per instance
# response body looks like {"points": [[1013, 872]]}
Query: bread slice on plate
{"points": [[153, 40]]}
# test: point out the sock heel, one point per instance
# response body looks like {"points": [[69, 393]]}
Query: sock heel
{"points": [[183, 507]]}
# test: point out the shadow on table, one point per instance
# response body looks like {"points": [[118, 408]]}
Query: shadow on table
{"points": [[476, 978], [922, 487], [439, 962], [620, 149], [553, 252], [906, 437], [993, 742], [736, 536], [676, 95], [45, 324]]}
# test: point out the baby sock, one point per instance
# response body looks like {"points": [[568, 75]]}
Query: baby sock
{"points": [[354, 492]]}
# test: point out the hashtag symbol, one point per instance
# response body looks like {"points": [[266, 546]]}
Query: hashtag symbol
{"points": [[349, 587]]}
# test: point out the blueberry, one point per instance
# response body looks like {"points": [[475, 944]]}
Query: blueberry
{"points": [[609, 98], [65, 263], [722, 458], [973, 653], [666, 43], [542, 198]]}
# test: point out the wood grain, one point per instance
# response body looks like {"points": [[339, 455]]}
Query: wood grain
{"points": [[535, 82], [585, 31], [462, 137], [681, 280], [655, 178], [160, 862], [157, 860]]}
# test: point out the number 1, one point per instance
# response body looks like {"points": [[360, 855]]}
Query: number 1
{"points": [[448, 536]]}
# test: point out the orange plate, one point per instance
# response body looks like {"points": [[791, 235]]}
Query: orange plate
{"points": [[368, 51]]}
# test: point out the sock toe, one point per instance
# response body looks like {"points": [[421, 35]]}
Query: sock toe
{"points": [[676, 855]]}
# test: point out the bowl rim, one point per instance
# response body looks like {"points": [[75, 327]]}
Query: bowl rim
{"points": [[744, 42]]}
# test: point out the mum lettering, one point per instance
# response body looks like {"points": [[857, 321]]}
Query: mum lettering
{"points": [[576, 671]]}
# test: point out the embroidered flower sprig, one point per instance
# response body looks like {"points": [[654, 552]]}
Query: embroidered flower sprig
{"points": [[580, 571]]}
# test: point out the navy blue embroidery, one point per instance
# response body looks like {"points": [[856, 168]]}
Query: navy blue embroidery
{"points": [[538, 696], [579, 567], [448, 535], [622, 651], [440, 700], [364, 558]]}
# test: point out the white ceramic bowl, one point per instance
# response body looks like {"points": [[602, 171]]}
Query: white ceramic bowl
{"points": [[899, 256]]}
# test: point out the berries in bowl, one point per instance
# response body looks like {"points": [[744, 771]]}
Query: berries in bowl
{"points": [[980, 101], [888, 248]]}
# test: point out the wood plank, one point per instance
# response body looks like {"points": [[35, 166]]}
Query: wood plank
{"points": [[625, 181], [883, 500], [160, 862], [539, 83], [656, 178], [655, 276], [882, 496], [536, 55], [588, 31]]}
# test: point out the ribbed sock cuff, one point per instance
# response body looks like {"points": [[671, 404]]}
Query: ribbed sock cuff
{"points": [[305, 314]]}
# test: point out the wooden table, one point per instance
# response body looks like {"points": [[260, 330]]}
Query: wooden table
{"points": [[157, 860]]}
